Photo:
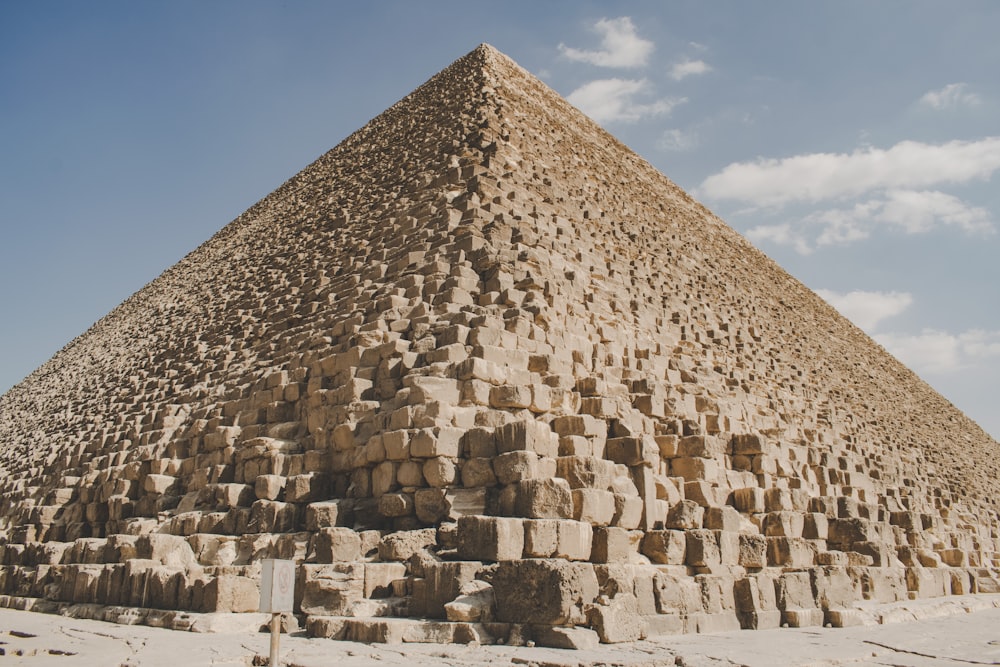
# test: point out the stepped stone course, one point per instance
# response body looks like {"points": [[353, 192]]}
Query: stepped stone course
{"points": [[487, 376]]}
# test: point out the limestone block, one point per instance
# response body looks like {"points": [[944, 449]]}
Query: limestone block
{"points": [[543, 499], [816, 527], [439, 471], [790, 552], [516, 466], [612, 545], [383, 478], [749, 500], [834, 588], [395, 505], [442, 583], [586, 471], [268, 487], [509, 396], [490, 538], [753, 550], [541, 538], [746, 444], [396, 445], [431, 505], [411, 473], [703, 493], [667, 547], [159, 484], [574, 540], [702, 549], [676, 594], [402, 545], [329, 513], [230, 593], [596, 506], [685, 515], [306, 488], [475, 604], [332, 545], [426, 388], [333, 589], [563, 637], [695, 469], [632, 451], [170, 550], [617, 620], [777, 500], [480, 443], [628, 511], [544, 591], [722, 518], [847, 531], [783, 524], [437, 441], [532, 436]]}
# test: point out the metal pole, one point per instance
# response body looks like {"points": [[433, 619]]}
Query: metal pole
{"points": [[275, 637]]}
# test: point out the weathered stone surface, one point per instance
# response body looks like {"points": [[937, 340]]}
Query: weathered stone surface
{"points": [[544, 591]]}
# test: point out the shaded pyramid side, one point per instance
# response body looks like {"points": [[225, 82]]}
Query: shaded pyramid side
{"points": [[481, 330]]}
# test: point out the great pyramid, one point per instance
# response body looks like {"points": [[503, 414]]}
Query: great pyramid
{"points": [[485, 374]]}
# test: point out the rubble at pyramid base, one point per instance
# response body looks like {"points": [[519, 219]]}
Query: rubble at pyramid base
{"points": [[486, 376]]}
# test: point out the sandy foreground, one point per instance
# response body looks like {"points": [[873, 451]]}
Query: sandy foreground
{"points": [[955, 631]]}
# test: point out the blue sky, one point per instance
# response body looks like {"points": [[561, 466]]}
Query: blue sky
{"points": [[857, 143]]}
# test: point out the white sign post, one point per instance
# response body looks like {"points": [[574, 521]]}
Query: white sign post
{"points": [[277, 595]]}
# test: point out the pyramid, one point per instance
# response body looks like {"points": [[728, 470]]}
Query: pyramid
{"points": [[485, 375]]}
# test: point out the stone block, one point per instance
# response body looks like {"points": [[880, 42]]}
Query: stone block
{"points": [[513, 467], [544, 591], [595, 506], [574, 540], [628, 511], [722, 518], [490, 538], [753, 550], [667, 547], [702, 549], [402, 545], [790, 552], [541, 538], [685, 515], [230, 593], [563, 637], [617, 620], [437, 441], [611, 545], [333, 589], [586, 471], [532, 436], [333, 545], [543, 499]]}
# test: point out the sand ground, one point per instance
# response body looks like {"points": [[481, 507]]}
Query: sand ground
{"points": [[952, 632]]}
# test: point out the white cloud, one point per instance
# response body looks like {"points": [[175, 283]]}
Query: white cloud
{"points": [[914, 212], [620, 46], [950, 97], [678, 140], [607, 100], [818, 176], [687, 68], [781, 235], [867, 309], [919, 211], [938, 352]]}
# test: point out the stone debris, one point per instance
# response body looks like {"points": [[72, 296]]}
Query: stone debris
{"points": [[486, 377]]}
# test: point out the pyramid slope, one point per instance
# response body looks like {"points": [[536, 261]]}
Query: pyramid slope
{"points": [[478, 305]]}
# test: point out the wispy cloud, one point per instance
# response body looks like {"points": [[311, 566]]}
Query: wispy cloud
{"points": [[911, 211], [938, 352], [686, 68], [867, 309], [815, 177], [952, 96], [678, 140], [620, 45], [608, 100]]}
